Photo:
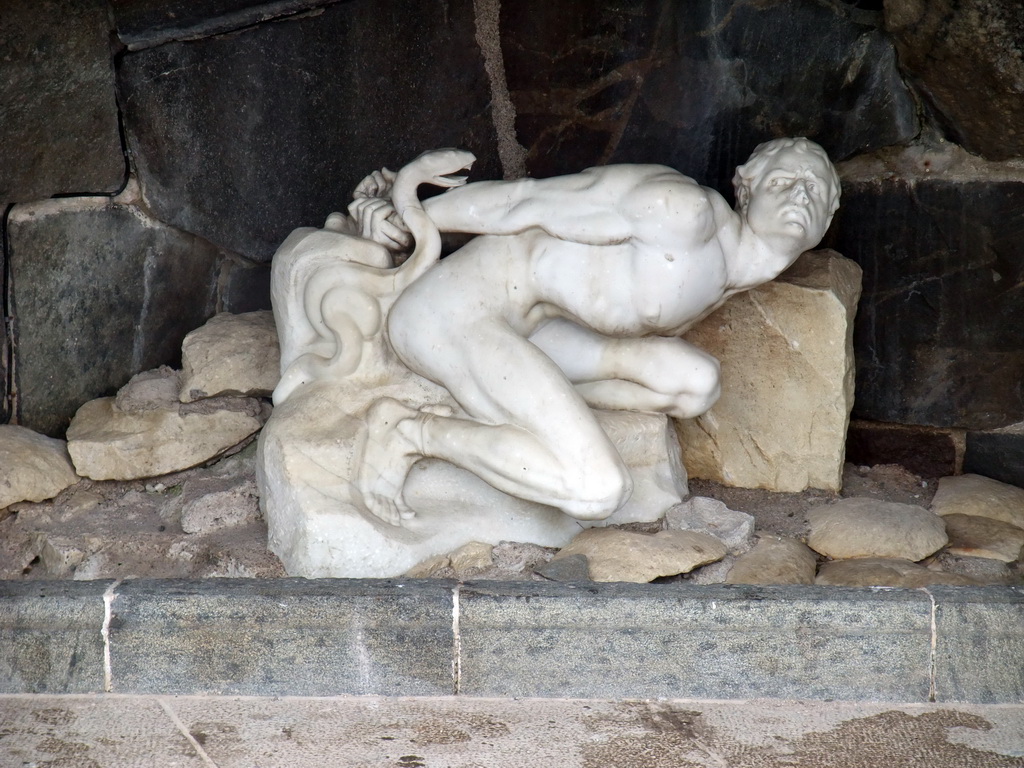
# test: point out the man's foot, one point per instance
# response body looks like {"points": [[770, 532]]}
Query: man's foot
{"points": [[387, 458]]}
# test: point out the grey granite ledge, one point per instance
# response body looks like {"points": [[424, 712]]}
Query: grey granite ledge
{"points": [[427, 637]]}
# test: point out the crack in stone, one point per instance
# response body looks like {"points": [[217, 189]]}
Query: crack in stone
{"points": [[184, 732]]}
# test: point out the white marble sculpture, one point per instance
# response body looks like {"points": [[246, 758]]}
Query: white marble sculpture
{"points": [[498, 393]]}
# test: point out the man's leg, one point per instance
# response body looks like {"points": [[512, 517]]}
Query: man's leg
{"points": [[531, 434], [652, 373]]}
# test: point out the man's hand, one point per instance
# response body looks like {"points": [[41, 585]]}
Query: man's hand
{"points": [[373, 214], [376, 219]]}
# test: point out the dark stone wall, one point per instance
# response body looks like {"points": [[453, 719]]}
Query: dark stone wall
{"points": [[939, 334], [241, 138], [244, 119], [698, 85]]}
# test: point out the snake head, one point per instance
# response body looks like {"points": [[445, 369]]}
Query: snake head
{"points": [[442, 167]]}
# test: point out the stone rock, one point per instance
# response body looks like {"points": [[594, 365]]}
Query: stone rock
{"points": [[861, 527], [566, 569], [617, 555], [775, 560], [980, 496], [231, 355], [32, 467], [108, 444], [100, 291], [967, 59], [925, 451], [520, 557], [973, 536], [884, 572], [711, 516], [697, 85], [712, 573], [984, 570], [58, 115], [470, 560], [787, 381], [190, 101], [998, 454], [473, 556], [935, 247], [61, 556], [431, 568], [148, 391], [209, 504]]}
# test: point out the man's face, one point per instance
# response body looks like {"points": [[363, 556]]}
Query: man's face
{"points": [[791, 198]]}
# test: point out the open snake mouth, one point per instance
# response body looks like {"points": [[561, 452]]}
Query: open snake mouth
{"points": [[457, 178]]}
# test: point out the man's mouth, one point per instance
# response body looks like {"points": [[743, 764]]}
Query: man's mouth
{"points": [[794, 215]]}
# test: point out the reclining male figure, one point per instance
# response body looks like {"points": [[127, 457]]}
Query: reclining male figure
{"points": [[572, 297]]}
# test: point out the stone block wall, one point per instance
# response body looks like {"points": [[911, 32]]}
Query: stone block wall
{"points": [[239, 120]]}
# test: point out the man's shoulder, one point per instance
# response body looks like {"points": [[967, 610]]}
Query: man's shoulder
{"points": [[676, 204]]}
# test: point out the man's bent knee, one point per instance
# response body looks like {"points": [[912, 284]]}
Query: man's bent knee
{"points": [[700, 390], [595, 495]]}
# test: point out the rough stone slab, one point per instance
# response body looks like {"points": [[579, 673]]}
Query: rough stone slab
{"points": [[982, 496], [973, 536], [58, 117], [50, 638], [91, 731], [711, 516], [231, 355], [282, 637], [937, 336], [730, 641], [32, 467], [998, 454], [100, 291], [864, 527], [884, 572], [966, 57], [979, 653], [925, 451], [107, 444], [617, 555], [787, 381], [775, 560], [697, 85], [313, 129], [464, 732]]}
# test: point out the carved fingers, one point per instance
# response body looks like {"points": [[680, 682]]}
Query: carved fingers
{"points": [[377, 220], [377, 184]]}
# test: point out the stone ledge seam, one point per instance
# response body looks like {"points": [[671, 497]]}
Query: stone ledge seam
{"points": [[456, 643], [934, 641], [108, 600]]}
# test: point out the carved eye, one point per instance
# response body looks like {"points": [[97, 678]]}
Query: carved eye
{"points": [[773, 183]]}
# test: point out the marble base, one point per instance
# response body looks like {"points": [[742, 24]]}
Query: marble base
{"points": [[319, 527]]}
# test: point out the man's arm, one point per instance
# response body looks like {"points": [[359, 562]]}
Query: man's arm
{"points": [[582, 208], [600, 206]]}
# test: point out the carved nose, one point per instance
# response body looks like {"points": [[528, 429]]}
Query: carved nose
{"points": [[799, 191]]}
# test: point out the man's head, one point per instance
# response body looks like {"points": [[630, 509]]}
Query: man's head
{"points": [[788, 187]]}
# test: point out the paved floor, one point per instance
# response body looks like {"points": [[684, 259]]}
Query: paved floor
{"points": [[111, 731]]}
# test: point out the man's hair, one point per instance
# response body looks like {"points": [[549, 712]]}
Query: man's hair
{"points": [[762, 155]]}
